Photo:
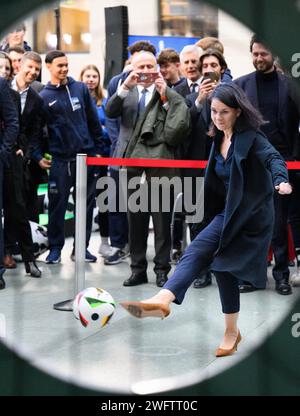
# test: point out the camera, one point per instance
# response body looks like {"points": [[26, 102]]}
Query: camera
{"points": [[147, 76], [213, 76]]}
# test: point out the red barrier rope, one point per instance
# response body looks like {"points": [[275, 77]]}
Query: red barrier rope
{"points": [[159, 163]]}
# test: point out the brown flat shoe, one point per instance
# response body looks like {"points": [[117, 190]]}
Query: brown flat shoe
{"points": [[222, 352], [145, 310]]}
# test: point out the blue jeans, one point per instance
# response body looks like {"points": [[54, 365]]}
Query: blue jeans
{"points": [[197, 257]]}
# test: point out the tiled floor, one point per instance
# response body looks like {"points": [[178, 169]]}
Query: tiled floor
{"points": [[128, 355]]}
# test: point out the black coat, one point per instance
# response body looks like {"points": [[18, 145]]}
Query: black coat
{"points": [[31, 132], [288, 107], [9, 123], [249, 213]]}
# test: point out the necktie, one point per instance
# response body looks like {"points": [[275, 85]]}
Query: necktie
{"points": [[142, 102], [193, 87]]}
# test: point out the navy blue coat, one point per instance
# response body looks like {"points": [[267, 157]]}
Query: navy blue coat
{"points": [[249, 212]]}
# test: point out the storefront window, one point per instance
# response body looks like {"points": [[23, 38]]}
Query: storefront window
{"points": [[188, 18], [74, 27]]}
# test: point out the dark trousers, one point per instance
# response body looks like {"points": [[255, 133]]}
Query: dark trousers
{"points": [[34, 175], [118, 221], [280, 237], [294, 207], [2, 268], [16, 222], [61, 179], [102, 216], [138, 236], [197, 257]]}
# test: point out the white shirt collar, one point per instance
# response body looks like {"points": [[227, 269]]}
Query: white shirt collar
{"points": [[150, 89], [14, 86], [193, 82]]}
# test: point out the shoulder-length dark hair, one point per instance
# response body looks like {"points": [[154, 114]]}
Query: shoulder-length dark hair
{"points": [[233, 96], [99, 93]]}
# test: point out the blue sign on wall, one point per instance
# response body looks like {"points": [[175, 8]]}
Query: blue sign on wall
{"points": [[162, 42]]}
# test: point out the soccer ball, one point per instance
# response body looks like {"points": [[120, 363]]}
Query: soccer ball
{"points": [[93, 307], [39, 238]]}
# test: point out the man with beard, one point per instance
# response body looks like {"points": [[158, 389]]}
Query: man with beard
{"points": [[272, 93]]}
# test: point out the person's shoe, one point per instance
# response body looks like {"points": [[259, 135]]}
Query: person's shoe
{"points": [[54, 256], [117, 256], [283, 287], [246, 288], [145, 310], [105, 250], [136, 279], [2, 283], [32, 269], [176, 254], [9, 262], [223, 352], [202, 281], [291, 263], [89, 257], [161, 279]]}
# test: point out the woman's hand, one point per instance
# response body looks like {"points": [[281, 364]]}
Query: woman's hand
{"points": [[19, 152], [284, 188]]}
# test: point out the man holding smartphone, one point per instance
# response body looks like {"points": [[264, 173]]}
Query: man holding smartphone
{"points": [[211, 66], [144, 101]]}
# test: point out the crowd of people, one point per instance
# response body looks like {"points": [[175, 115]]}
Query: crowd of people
{"points": [[187, 105]]}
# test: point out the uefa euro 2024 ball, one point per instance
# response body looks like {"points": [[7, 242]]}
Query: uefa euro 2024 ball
{"points": [[93, 307]]}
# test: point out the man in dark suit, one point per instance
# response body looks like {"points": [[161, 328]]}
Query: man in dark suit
{"points": [[189, 59], [272, 93], [17, 227], [9, 127]]}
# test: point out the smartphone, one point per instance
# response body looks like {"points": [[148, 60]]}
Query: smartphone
{"points": [[147, 76], [213, 76]]}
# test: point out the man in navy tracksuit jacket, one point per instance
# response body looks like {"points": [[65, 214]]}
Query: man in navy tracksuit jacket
{"points": [[73, 127]]}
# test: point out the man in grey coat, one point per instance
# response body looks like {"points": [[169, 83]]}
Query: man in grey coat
{"points": [[154, 122]]}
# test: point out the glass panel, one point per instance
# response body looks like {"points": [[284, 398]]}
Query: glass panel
{"points": [[75, 28], [188, 18]]}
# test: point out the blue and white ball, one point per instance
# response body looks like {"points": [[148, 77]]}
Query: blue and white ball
{"points": [[94, 307]]}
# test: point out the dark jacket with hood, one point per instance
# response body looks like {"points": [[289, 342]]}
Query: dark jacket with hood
{"points": [[249, 212], [72, 120]]}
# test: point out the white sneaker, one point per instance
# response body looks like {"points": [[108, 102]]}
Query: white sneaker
{"points": [[105, 250]]}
